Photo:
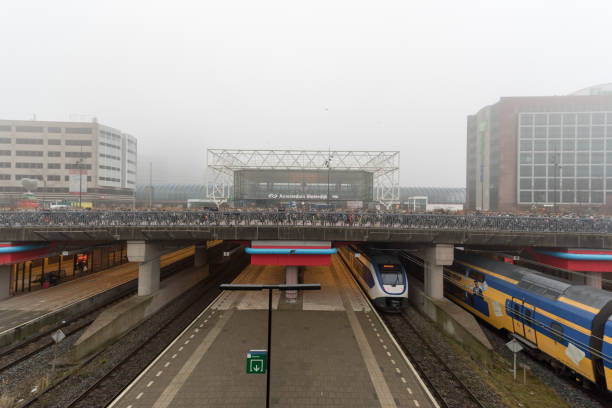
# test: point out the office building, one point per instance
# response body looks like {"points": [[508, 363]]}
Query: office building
{"points": [[545, 151], [67, 160]]}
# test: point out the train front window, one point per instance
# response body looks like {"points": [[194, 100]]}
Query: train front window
{"points": [[391, 274]]}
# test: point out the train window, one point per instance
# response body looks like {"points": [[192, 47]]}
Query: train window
{"points": [[556, 332], [528, 316], [517, 311]]}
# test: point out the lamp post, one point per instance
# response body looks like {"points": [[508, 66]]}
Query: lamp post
{"points": [[328, 165], [302, 286]]}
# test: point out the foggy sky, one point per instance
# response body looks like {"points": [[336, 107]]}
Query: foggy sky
{"points": [[182, 76]]}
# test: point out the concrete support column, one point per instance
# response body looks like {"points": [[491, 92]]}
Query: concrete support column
{"points": [[435, 258], [577, 278], [200, 257], [291, 278], [5, 281], [593, 279], [147, 254]]}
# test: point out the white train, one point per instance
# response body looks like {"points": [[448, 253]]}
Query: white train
{"points": [[380, 275]]}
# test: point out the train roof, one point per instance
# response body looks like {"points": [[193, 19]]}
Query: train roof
{"points": [[534, 281], [385, 258]]}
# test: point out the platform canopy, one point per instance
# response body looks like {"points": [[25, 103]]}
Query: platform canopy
{"points": [[303, 175]]}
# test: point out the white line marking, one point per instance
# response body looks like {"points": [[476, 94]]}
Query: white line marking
{"points": [[196, 330], [158, 373], [202, 325], [377, 335], [168, 394], [186, 341], [191, 337], [388, 354], [139, 395], [163, 353], [385, 347], [149, 384], [416, 403], [398, 370], [381, 340], [181, 348], [129, 406], [409, 390], [393, 362], [403, 380], [174, 356]]}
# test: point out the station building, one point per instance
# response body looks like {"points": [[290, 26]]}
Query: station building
{"points": [[67, 159], [544, 151], [306, 178]]}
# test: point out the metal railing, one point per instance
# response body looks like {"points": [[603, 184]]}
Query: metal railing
{"points": [[96, 219]]}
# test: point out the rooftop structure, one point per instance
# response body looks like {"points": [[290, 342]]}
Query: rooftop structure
{"points": [[304, 175]]}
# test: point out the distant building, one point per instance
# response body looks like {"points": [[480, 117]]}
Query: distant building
{"points": [[542, 151], [420, 199], [54, 153]]}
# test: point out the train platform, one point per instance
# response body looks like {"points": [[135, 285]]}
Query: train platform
{"points": [[329, 349], [20, 311]]}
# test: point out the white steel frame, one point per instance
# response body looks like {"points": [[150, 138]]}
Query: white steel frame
{"points": [[221, 164]]}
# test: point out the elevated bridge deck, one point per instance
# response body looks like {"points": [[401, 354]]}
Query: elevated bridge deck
{"points": [[584, 232]]}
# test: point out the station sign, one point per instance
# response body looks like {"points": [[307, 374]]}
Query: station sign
{"points": [[256, 361]]}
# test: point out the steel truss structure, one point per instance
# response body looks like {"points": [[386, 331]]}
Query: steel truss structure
{"points": [[221, 164]]}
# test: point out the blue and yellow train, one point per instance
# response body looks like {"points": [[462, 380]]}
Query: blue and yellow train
{"points": [[569, 324]]}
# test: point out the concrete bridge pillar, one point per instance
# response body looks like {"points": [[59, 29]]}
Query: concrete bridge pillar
{"points": [[147, 254], [435, 258], [200, 257], [291, 278], [5, 281], [593, 279]]}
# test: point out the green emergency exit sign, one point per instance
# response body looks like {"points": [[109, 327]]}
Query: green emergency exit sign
{"points": [[256, 361]]}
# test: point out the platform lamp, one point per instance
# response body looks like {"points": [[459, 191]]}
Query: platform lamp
{"points": [[282, 287]]}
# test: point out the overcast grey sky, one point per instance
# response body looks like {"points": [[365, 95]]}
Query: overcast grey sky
{"points": [[396, 75]]}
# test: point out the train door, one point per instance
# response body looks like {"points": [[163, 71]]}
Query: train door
{"points": [[529, 322], [517, 316]]}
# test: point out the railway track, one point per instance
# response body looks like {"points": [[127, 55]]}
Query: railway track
{"points": [[448, 388], [104, 388]]}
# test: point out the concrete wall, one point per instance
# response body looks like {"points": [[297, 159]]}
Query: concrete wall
{"points": [[452, 320], [123, 317]]}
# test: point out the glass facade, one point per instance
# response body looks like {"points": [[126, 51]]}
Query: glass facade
{"points": [[564, 158]]}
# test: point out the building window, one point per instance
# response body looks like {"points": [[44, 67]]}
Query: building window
{"points": [[112, 146], [5, 140], [30, 153], [53, 178], [77, 154], [83, 166], [54, 142], [5, 152], [31, 176], [29, 141], [5, 128], [78, 142], [54, 166], [110, 168], [108, 156], [54, 154], [23, 165], [5, 165], [30, 129], [54, 129], [78, 131], [5, 176]]}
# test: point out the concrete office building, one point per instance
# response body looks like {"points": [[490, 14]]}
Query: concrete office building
{"points": [[54, 153], [542, 151]]}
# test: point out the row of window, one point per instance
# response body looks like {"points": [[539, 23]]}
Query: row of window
{"points": [[565, 158], [561, 184], [109, 179], [565, 145], [50, 153], [50, 129], [50, 177], [565, 132], [567, 197], [52, 142], [565, 171], [108, 156], [112, 146], [110, 168], [582, 118], [109, 135]]}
